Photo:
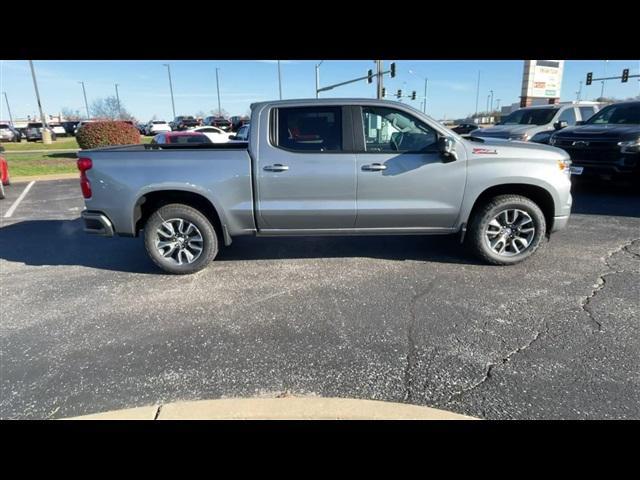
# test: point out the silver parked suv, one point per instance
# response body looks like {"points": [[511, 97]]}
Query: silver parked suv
{"points": [[538, 123]]}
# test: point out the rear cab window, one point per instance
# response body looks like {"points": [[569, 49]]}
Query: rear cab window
{"points": [[308, 129]]}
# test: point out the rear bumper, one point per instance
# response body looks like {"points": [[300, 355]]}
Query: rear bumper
{"points": [[97, 223]]}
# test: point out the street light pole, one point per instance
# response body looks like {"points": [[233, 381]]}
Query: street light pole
{"points": [[8, 107], [497, 104], [491, 100], [488, 97], [46, 135], [426, 81], [279, 81], [605, 74], [86, 105], [173, 105], [218, 90], [118, 100], [579, 92], [478, 92]]}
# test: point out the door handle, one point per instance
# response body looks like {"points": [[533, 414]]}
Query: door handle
{"points": [[277, 167], [374, 167]]}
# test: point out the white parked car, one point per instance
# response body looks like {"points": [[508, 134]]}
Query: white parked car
{"points": [[157, 126], [214, 133], [58, 129]]}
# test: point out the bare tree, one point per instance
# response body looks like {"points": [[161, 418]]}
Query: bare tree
{"points": [[71, 115], [107, 108], [220, 113]]}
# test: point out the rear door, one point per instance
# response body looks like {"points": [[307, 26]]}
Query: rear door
{"points": [[403, 180], [306, 170]]}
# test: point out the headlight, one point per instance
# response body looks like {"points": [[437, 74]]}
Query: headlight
{"points": [[521, 137], [565, 166], [632, 146]]}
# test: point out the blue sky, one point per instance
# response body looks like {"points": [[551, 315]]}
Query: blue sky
{"points": [[144, 86]]}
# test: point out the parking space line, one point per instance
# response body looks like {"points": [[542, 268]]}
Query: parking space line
{"points": [[13, 207]]}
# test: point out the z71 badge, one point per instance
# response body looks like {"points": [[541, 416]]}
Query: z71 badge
{"points": [[485, 151]]}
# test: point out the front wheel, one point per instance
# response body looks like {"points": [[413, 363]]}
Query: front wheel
{"points": [[506, 230], [180, 239]]}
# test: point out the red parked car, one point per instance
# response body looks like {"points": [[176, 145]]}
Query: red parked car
{"points": [[4, 173], [180, 138]]}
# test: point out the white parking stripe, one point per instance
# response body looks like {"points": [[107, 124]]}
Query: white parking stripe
{"points": [[13, 207]]}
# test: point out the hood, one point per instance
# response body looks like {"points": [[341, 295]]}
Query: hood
{"points": [[603, 132], [513, 149], [505, 131]]}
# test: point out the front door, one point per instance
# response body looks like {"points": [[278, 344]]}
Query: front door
{"points": [[403, 179], [305, 180]]}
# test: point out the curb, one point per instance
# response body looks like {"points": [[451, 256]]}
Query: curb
{"points": [[285, 408], [44, 178]]}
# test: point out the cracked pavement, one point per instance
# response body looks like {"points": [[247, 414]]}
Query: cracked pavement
{"points": [[89, 325]]}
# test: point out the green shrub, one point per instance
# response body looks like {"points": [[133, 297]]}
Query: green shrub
{"points": [[106, 133]]}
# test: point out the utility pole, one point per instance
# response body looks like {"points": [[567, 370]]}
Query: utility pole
{"points": [[173, 105], [8, 107], [488, 97], [118, 100], [478, 92], [491, 100], [379, 70], [279, 81], [218, 89], [318, 77], [86, 105], [497, 104], [46, 135]]}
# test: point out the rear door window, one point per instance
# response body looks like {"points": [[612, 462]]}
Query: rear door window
{"points": [[310, 129], [569, 116], [587, 112]]}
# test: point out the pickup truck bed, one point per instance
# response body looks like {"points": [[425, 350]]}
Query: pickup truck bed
{"points": [[329, 167]]}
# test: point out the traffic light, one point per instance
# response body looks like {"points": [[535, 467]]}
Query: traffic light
{"points": [[625, 75], [399, 94], [589, 78], [393, 70], [370, 76], [413, 95], [384, 92]]}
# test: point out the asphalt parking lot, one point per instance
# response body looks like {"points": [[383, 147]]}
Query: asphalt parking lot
{"points": [[89, 324]]}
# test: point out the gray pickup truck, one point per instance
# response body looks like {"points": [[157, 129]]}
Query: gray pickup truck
{"points": [[328, 167]]}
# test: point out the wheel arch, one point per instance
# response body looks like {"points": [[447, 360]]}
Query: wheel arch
{"points": [[539, 195], [149, 201]]}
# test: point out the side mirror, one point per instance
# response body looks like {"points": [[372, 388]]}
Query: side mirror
{"points": [[560, 125], [447, 147]]}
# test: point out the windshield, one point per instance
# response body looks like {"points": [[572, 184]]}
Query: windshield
{"points": [[628, 114], [530, 116]]}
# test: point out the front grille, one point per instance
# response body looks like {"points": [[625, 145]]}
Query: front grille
{"points": [[590, 151]]}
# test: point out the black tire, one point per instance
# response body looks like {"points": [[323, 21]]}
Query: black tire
{"points": [[477, 240], [189, 214]]}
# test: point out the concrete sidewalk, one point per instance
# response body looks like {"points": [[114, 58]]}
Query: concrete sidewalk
{"points": [[285, 408]]}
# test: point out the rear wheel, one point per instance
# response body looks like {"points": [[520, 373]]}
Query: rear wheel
{"points": [[506, 230], [180, 239]]}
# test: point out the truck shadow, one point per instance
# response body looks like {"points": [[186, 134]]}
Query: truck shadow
{"points": [[63, 242]]}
